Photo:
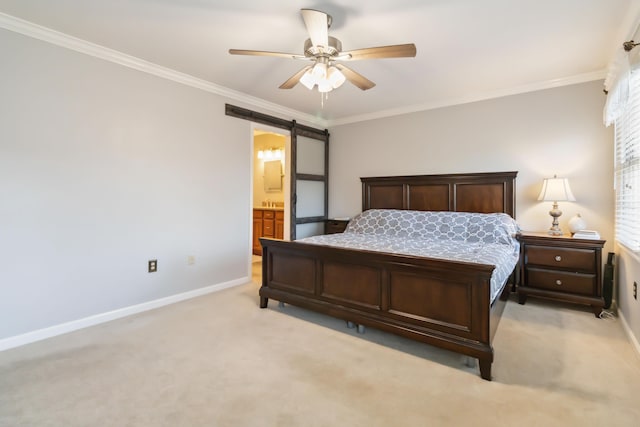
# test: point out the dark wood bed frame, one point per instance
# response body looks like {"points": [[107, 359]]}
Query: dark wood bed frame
{"points": [[439, 302]]}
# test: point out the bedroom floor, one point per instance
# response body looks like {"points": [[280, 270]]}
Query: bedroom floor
{"points": [[219, 360]]}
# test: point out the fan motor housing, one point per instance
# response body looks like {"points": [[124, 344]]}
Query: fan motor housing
{"points": [[334, 48]]}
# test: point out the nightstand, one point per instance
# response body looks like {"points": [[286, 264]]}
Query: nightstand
{"points": [[561, 267], [333, 226]]}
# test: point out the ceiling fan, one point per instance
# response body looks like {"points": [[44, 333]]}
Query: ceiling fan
{"points": [[325, 54]]}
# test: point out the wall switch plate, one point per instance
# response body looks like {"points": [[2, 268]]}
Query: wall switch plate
{"points": [[191, 260], [153, 265]]}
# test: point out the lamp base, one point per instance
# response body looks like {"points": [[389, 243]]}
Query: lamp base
{"points": [[555, 226], [553, 232]]}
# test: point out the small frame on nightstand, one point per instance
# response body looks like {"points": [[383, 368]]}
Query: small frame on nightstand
{"points": [[561, 267]]}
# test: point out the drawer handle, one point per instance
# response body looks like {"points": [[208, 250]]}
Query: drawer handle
{"points": [[558, 282], [558, 258]]}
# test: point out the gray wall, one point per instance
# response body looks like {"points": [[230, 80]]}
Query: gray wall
{"points": [[103, 168], [627, 272], [539, 134], [554, 131]]}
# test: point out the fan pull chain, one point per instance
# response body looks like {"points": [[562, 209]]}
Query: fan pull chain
{"points": [[323, 97]]}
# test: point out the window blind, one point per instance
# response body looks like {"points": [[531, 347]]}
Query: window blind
{"points": [[627, 167]]}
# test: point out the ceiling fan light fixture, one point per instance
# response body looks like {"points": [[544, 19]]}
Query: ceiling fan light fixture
{"points": [[319, 70], [324, 86], [335, 77], [308, 80]]}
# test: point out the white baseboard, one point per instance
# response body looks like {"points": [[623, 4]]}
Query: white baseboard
{"points": [[627, 329], [74, 325]]}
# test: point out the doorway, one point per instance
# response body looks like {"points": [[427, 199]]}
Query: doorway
{"points": [[270, 186]]}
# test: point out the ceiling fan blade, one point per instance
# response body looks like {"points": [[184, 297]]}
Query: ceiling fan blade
{"points": [[293, 80], [317, 24], [357, 79], [266, 53], [395, 51]]}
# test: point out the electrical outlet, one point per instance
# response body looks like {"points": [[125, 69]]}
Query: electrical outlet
{"points": [[635, 290], [191, 260], [153, 265]]}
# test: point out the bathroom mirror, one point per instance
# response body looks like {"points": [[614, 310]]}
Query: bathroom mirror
{"points": [[273, 176]]}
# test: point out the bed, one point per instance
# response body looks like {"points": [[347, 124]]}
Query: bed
{"points": [[448, 303]]}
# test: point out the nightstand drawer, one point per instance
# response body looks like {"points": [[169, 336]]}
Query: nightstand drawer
{"points": [[564, 258], [560, 281]]}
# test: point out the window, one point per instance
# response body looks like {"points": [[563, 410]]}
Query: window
{"points": [[627, 167]]}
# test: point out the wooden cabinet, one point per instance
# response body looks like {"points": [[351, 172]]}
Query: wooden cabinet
{"points": [[267, 223], [257, 231], [561, 267], [279, 225], [332, 226]]}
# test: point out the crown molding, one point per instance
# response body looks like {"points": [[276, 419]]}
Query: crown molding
{"points": [[39, 32], [48, 35], [548, 84]]}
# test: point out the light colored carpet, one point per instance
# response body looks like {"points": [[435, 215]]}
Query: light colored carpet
{"points": [[219, 360]]}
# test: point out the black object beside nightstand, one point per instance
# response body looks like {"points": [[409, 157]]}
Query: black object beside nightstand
{"points": [[561, 267], [333, 226]]}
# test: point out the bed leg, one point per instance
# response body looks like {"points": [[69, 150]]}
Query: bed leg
{"points": [[350, 325], [485, 369], [522, 298], [264, 302], [361, 329], [280, 304]]}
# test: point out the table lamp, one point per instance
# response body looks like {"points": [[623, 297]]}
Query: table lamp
{"points": [[556, 190]]}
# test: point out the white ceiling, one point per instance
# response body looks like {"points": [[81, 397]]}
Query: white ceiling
{"points": [[467, 49]]}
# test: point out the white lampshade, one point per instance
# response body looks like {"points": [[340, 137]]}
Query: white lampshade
{"points": [[319, 71], [308, 80], [556, 190], [336, 77], [324, 86]]}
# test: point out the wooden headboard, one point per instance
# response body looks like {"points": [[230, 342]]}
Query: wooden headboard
{"points": [[465, 192]]}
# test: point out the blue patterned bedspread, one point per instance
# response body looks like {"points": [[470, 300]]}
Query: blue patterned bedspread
{"points": [[458, 236]]}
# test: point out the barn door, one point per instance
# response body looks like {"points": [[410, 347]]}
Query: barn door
{"points": [[309, 181], [309, 185]]}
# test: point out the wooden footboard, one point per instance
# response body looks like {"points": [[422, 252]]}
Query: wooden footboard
{"points": [[439, 302]]}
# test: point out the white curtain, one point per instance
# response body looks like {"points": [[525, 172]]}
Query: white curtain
{"points": [[617, 83]]}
